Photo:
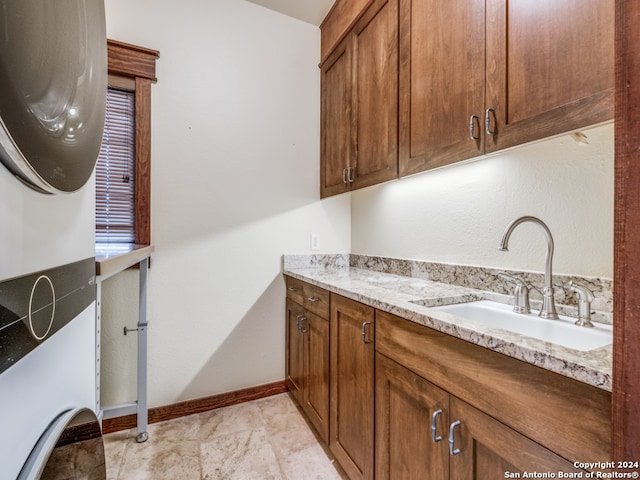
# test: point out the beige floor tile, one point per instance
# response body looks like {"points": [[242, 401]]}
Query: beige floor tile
{"points": [[179, 460], [310, 464], [267, 439], [245, 455], [229, 420]]}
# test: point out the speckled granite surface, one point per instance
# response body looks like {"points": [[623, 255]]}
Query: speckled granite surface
{"points": [[394, 293]]}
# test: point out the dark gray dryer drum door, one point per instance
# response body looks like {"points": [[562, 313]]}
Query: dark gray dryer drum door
{"points": [[53, 84], [71, 447]]}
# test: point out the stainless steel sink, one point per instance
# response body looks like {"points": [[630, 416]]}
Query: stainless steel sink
{"points": [[561, 332]]}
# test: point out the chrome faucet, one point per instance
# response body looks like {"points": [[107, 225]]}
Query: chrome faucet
{"points": [[548, 304]]}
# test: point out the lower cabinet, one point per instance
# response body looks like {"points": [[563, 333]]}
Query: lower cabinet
{"points": [[307, 364], [411, 417], [352, 386], [440, 408], [424, 432]]}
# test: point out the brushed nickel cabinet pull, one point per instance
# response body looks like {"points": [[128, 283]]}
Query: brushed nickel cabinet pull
{"points": [[364, 332], [302, 325], [487, 121], [452, 438], [344, 175], [291, 289], [313, 299], [434, 428], [473, 120], [350, 175]]}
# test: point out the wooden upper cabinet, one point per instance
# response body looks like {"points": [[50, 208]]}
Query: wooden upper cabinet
{"points": [[476, 77], [441, 81], [359, 104], [335, 146], [338, 22], [549, 67]]}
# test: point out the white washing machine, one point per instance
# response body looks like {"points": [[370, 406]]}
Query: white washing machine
{"points": [[47, 371], [53, 77]]}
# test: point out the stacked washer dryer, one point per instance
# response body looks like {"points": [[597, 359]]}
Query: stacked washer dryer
{"points": [[53, 77]]}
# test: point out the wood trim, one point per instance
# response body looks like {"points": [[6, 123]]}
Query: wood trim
{"points": [[132, 61], [626, 281], [143, 162], [198, 405]]}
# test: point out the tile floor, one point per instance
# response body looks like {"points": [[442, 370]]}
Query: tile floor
{"points": [[260, 440]]}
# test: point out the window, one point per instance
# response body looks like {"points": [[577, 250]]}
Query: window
{"points": [[123, 169], [115, 172]]}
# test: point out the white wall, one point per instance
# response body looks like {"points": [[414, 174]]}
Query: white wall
{"points": [[235, 184], [458, 214]]}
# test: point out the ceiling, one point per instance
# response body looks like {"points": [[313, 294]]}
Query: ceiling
{"points": [[310, 11]]}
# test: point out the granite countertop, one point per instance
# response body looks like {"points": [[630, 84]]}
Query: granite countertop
{"points": [[393, 294]]}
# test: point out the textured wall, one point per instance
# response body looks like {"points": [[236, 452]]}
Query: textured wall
{"points": [[457, 214]]}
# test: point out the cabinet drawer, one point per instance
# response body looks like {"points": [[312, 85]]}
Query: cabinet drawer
{"points": [[570, 418], [316, 300], [295, 290]]}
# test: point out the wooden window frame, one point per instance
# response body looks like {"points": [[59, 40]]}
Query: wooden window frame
{"points": [[134, 68]]}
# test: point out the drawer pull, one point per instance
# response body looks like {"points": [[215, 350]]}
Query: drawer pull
{"points": [[452, 438], [291, 289], [364, 332], [313, 299], [434, 429]]}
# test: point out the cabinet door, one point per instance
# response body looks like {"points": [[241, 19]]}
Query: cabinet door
{"points": [[441, 82], [352, 386], [406, 404], [336, 129], [294, 351], [550, 67], [487, 448], [316, 394], [376, 95]]}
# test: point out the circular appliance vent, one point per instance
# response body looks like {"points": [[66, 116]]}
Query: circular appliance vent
{"points": [[53, 79]]}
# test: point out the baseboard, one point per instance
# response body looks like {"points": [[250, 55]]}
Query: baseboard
{"points": [[198, 405]]}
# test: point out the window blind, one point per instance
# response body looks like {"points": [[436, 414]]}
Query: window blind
{"points": [[115, 169]]}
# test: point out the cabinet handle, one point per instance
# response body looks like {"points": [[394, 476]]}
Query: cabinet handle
{"points": [[298, 319], [434, 428], [364, 332], [291, 289], [473, 120], [452, 438], [313, 299], [303, 327], [487, 121], [344, 175], [349, 175]]}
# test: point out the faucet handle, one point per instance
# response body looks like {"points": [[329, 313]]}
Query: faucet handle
{"points": [[585, 297], [520, 294]]}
